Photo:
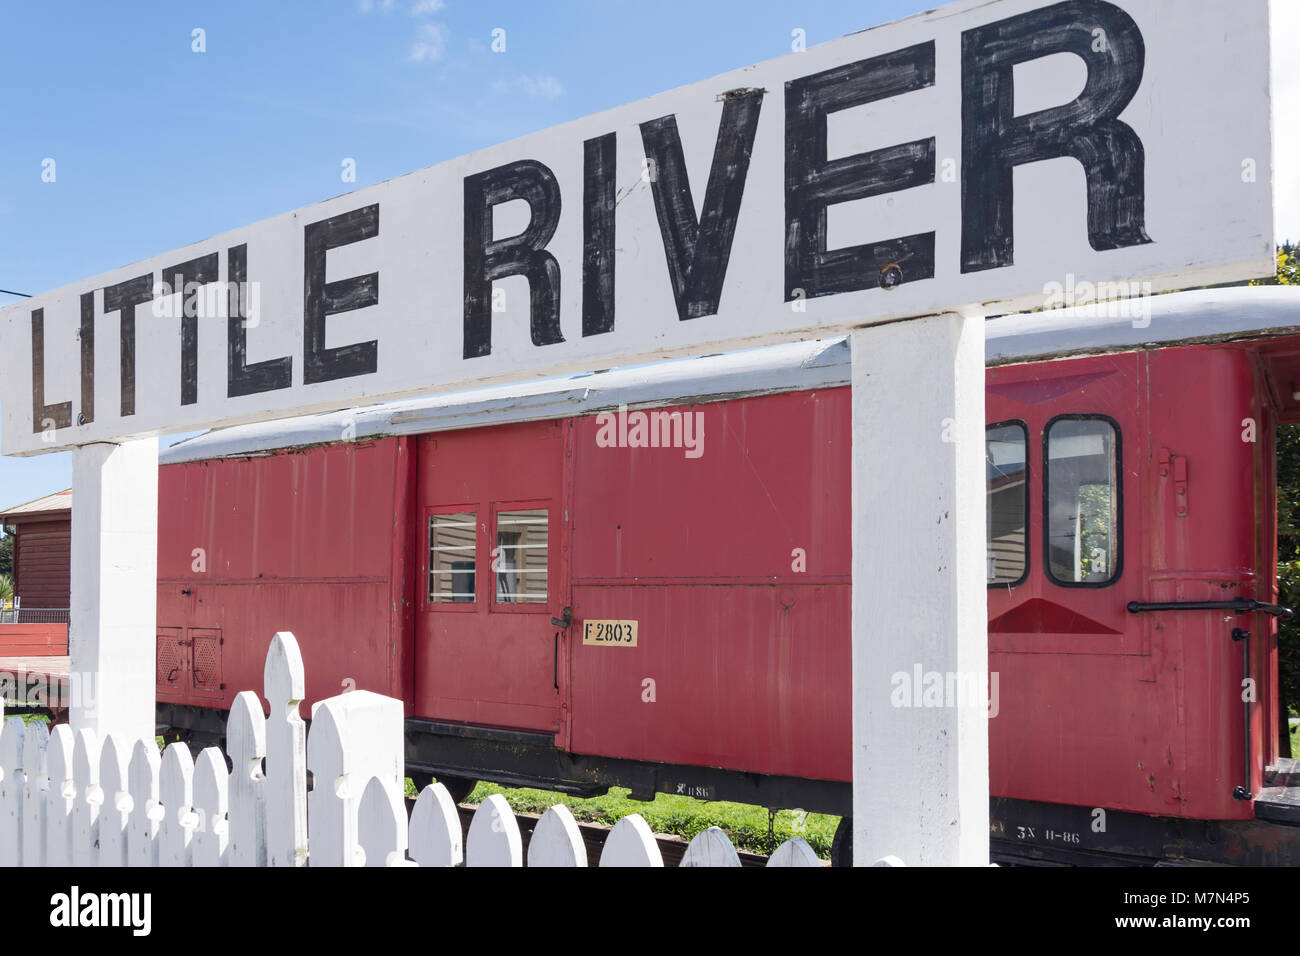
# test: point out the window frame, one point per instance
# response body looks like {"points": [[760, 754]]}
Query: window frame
{"points": [[531, 607], [1024, 576], [1119, 499], [455, 607]]}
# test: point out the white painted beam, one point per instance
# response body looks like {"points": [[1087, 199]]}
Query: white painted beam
{"points": [[920, 771], [112, 634]]}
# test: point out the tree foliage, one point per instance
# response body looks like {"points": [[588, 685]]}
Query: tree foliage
{"points": [[1288, 517]]}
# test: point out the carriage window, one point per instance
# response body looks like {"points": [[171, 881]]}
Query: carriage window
{"points": [[1082, 501], [1007, 514], [451, 558], [520, 556]]}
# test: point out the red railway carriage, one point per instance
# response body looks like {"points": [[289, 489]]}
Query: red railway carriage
{"points": [[642, 577]]}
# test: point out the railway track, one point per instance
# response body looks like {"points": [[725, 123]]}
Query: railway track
{"points": [[593, 836]]}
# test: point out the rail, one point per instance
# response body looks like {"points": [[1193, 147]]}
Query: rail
{"points": [[34, 615]]}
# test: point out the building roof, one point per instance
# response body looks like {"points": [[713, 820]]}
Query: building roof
{"points": [[1201, 316], [60, 501]]}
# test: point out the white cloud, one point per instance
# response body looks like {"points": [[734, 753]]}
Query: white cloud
{"points": [[1285, 30], [423, 8], [430, 42], [543, 86], [368, 5]]}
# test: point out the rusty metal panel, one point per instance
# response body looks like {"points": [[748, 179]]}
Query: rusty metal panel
{"points": [[205, 651], [171, 661]]}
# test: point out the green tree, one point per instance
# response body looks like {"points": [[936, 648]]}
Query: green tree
{"points": [[1288, 528], [6, 551]]}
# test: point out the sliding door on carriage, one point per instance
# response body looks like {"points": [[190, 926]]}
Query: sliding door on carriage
{"points": [[491, 580]]}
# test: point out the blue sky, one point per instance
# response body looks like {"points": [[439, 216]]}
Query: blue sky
{"points": [[157, 146]]}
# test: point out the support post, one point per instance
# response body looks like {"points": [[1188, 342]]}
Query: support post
{"points": [[920, 626], [112, 631]]}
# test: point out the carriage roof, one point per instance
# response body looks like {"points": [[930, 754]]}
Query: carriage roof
{"points": [[1179, 318]]}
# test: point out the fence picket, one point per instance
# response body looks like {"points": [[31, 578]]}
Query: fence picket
{"points": [[146, 812], [71, 799], [556, 840], [176, 791], [711, 847], [246, 745], [631, 843], [60, 797], [794, 852], [494, 838], [434, 832], [36, 738], [89, 800], [212, 835], [381, 825], [12, 734], [114, 813], [286, 756]]}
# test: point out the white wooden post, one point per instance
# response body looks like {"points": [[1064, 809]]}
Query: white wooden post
{"points": [[112, 633], [286, 754], [920, 773]]}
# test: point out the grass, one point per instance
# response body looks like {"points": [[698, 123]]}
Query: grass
{"points": [[746, 825]]}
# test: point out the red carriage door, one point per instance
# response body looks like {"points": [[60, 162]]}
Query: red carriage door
{"points": [[491, 517]]}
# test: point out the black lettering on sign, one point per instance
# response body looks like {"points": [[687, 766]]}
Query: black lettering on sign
{"points": [[242, 378], [813, 183], [124, 297], [185, 280], [87, 336], [60, 415], [598, 202], [487, 259], [995, 141], [322, 299], [698, 249]]}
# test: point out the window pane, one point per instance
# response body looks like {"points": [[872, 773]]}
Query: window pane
{"points": [[520, 557], [1004, 457], [1082, 513], [451, 558]]}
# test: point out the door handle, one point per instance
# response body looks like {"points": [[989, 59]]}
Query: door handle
{"points": [[563, 621], [555, 662]]}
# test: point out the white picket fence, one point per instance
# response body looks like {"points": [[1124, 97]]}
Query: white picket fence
{"points": [[70, 799]]}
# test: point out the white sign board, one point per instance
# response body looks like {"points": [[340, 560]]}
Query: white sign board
{"points": [[969, 159]]}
